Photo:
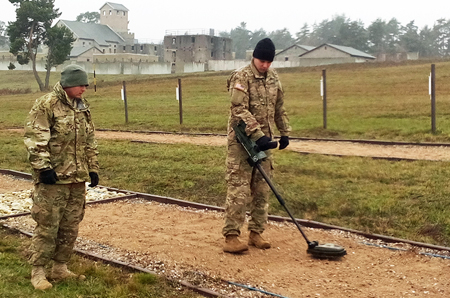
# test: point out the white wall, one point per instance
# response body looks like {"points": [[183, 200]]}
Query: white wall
{"points": [[166, 67]]}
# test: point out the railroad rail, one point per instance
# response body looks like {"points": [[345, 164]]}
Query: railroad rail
{"points": [[361, 141], [168, 200]]}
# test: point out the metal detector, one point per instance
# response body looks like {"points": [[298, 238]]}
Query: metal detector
{"points": [[327, 250]]}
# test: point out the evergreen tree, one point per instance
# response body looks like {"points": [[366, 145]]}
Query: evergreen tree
{"points": [[32, 29], [410, 39], [281, 38], [241, 40], [89, 17], [303, 36]]}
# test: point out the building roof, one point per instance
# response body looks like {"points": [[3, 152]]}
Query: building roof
{"points": [[348, 50], [115, 6], [102, 34], [306, 48], [78, 51]]}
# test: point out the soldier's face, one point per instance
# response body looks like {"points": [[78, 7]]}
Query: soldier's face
{"points": [[262, 65], [75, 92]]}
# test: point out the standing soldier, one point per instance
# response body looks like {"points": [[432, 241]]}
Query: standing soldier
{"points": [[257, 99], [62, 151]]}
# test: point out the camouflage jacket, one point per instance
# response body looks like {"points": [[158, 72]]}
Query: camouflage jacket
{"points": [[60, 136], [258, 100]]}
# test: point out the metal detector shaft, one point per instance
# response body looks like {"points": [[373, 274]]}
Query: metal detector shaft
{"points": [[280, 199]]}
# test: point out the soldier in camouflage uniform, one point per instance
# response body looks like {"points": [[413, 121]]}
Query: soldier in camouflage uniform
{"points": [[257, 99], [62, 150]]}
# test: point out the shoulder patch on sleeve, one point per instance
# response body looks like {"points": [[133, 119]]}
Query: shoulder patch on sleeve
{"points": [[239, 86]]}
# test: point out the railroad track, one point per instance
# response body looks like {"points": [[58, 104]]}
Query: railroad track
{"points": [[378, 240]]}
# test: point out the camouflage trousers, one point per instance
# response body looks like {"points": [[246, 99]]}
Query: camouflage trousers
{"points": [[58, 210], [246, 191]]}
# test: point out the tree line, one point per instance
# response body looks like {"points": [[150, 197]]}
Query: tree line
{"points": [[33, 28], [380, 37]]}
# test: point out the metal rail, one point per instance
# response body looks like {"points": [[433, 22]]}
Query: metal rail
{"points": [[373, 142], [168, 200], [361, 141], [202, 291], [182, 203]]}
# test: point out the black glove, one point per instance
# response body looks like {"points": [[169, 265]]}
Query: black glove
{"points": [[94, 179], [284, 142], [265, 143], [48, 177]]}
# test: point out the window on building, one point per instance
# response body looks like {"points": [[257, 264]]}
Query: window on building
{"points": [[212, 54], [124, 48], [174, 40], [142, 48], [156, 49], [118, 12], [114, 51], [212, 40], [132, 48], [104, 12], [110, 12], [193, 39], [286, 58], [124, 13], [84, 43], [88, 59], [103, 51]]}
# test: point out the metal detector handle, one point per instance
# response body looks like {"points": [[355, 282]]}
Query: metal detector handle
{"points": [[280, 199]]}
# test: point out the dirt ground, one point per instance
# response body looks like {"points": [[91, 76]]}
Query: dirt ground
{"points": [[190, 241], [303, 146]]}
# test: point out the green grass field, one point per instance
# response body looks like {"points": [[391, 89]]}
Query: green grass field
{"points": [[402, 199], [102, 281], [364, 101]]}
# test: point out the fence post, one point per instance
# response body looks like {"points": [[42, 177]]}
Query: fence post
{"points": [[180, 101], [95, 81], [433, 98], [124, 97], [324, 96]]}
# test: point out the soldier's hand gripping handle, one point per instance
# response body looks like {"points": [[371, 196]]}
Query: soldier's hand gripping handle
{"points": [[265, 143]]}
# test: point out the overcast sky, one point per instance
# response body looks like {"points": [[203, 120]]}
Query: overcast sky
{"points": [[149, 20]]}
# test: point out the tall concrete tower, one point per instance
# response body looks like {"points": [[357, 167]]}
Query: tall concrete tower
{"points": [[116, 16]]}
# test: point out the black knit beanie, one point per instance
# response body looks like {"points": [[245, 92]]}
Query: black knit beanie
{"points": [[74, 75], [264, 50]]}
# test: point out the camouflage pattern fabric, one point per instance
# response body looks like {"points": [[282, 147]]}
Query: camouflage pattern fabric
{"points": [[58, 211], [246, 191], [258, 100], [61, 136]]}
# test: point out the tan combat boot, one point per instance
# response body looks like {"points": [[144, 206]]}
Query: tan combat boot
{"points": [[38, 279], [60, 271], [256, 240], [233, 245]]}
